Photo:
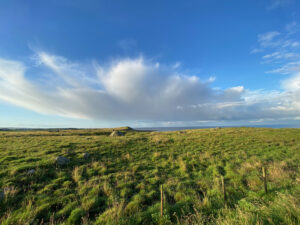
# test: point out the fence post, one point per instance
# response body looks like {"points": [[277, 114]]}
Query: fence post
{"points": [[224, 190], [161, 200], [265, 179]]}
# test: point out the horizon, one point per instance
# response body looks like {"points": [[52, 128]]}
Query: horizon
{"points": [[88, 64], [161, 128]]}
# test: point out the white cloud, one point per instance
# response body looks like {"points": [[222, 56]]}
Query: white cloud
{"points": [[288, 68], [277, 3], [292, 83], [176, 65], [267, 39], [275, 56], [211, 79], [256, 50], [138, 89], [282, 42], [290, 44], [280, 49], [128, 44], [292, 27]]}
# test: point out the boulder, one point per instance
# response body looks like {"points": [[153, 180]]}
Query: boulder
{"points": [[62, 161], [116, 133]]}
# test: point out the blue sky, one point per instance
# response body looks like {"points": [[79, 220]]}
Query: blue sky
{"points": [[149, 63]]}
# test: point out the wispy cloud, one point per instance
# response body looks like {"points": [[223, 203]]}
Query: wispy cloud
{"points": [[292, 27], [127, 44], [267, 39], [279, 47], [288, 68], [278, 3], [280, 55], [138, 89]]}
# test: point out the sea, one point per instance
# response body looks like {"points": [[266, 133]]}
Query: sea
{"points": [[205, 127]]}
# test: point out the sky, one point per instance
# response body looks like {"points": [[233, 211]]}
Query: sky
{"points": [[88, 63]]}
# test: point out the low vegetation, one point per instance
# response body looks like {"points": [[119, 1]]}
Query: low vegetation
{"points": [[118, 181]]}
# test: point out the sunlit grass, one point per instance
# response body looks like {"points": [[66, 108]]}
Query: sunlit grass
{"points": [[120, 182]]}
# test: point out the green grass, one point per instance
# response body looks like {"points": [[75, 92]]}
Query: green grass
{"points": [[120, 182]]}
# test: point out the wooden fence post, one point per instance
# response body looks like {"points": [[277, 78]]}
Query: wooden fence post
{"points": [[161, 200], [264, 172], [224, 190]]}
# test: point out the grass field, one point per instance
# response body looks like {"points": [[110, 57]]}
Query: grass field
{"points": [[120, 182]]}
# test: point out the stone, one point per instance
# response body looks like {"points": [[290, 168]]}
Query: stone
{"points": [[30, 172], [86, 155], [62, 161]]}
